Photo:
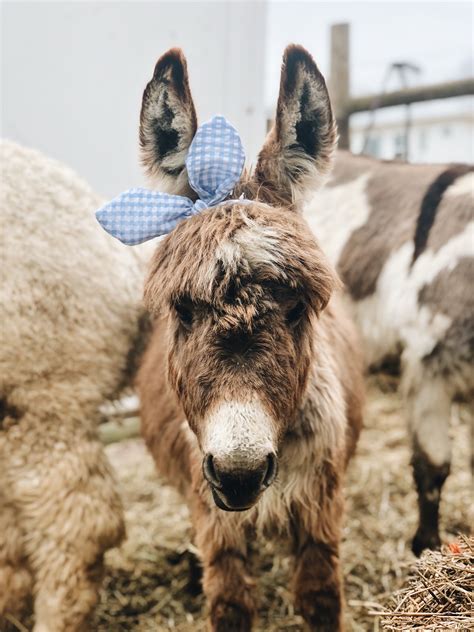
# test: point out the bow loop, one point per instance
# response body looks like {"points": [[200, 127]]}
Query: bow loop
{"points": [[215, 160], [138, 215]]}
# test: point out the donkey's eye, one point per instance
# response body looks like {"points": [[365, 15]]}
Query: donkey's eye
{"points": [[184, 312], [295, 313]]}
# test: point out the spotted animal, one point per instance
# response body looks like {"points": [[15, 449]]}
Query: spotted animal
{"points": [[401, 237]]}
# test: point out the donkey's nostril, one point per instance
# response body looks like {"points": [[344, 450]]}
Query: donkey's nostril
{"points": [[271, 472], [237, 484], [209, 471]]}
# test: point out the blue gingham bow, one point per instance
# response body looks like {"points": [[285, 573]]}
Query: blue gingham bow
{"points": [[214, 162]]}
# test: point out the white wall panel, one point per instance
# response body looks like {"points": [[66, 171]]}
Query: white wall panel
{"points": [[73, 75]]}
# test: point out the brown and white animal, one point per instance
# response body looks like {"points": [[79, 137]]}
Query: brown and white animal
{"points": [[261, 407], [402, 239], [70, 322]]}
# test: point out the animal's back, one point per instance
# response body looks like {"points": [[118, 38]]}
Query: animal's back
{"points": [[70, 296], [450, 248], [396, 232]]}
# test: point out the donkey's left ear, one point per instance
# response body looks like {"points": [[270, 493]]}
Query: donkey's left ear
{"points": [[168, 124], [297, 155]]}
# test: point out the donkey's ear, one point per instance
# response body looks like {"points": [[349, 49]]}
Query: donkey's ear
{"points": [[168, 123], [297, 155]]}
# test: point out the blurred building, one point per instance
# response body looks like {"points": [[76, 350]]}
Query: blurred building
{"points": [[438, 132]]}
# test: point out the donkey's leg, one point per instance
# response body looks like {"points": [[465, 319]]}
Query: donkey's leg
{"points": [[317, 585], [70, 514], [227, 584], [317, 582], [430, 407]]}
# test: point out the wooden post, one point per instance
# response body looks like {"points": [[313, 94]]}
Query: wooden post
{"points": [[339, 80]]}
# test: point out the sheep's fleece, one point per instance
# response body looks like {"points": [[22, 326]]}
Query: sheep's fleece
{"points": [[70, 306]]}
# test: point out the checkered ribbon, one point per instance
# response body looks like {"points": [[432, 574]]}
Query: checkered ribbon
{"points": [[214, 162]]}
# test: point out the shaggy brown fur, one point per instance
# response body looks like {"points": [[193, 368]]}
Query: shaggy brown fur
{"points": [[263, 367]]}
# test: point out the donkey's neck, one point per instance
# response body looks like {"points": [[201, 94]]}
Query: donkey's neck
{"points": [[321, 421]]}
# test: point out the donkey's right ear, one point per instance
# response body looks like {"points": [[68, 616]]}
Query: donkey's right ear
{"points": [[168, 124]]}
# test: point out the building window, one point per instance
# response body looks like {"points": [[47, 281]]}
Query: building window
{"points": [[423, 140], [373, 146], [399, 148]]}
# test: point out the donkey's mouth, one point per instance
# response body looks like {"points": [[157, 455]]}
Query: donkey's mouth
{"points": [[222, 505]]}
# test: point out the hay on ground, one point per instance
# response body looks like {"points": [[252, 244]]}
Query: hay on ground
{"points": [[439, 593]]}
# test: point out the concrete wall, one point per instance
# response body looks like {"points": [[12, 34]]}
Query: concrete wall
{"points": [[73, 74]]}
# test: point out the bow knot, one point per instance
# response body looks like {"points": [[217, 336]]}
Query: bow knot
{"points": [[199, 205], [214, 164]]}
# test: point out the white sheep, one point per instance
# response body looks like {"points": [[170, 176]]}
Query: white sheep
{"points": [[70, 326]]}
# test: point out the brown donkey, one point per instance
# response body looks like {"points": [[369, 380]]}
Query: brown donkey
{"points": [[260, 408]]}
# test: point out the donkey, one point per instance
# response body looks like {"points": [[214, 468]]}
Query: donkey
{"points": [[261, 405], [402, 239]]}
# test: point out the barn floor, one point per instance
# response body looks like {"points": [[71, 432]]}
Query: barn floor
{"points": [[148, 585]]}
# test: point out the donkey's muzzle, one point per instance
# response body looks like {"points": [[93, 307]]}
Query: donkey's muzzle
{"points": [[238, 487]]}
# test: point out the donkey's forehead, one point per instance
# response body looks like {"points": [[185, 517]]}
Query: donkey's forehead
{"points": [[250, 246], [249, 243], [246, 248]]}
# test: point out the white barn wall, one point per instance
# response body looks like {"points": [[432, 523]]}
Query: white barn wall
{"points": [[73, 74]]}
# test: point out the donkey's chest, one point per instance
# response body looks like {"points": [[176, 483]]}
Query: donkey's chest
{"points": [[299, 488], [310, 462]]}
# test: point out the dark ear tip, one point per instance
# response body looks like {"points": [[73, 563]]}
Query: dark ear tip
{"points": [[173, 60], [298, 51], [296, 55]]}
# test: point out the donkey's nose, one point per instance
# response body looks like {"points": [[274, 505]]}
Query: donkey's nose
{"points": [[236, 487]]}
